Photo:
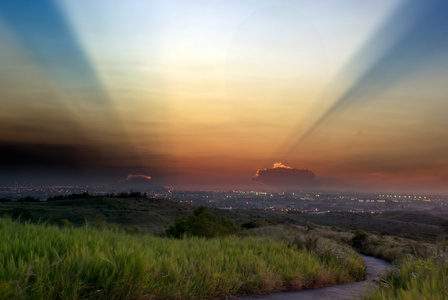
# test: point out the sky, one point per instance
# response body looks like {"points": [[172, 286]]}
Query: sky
{"points": [[205, 94]]}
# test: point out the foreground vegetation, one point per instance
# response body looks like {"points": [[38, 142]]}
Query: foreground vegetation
{"points": [[420, 268], [47, 262], [414, 279], [116, 258]]}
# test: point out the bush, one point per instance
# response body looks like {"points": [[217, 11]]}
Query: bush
{"points": [[203, 224], [308, 242], [254, 224], [359, 238]]}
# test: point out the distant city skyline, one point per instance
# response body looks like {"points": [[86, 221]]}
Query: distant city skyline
{"points": [[349, 94]]}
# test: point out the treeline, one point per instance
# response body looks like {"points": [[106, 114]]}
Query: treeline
{"points": [[86, 195], [23, 199], [83, 195], [128, 195]]}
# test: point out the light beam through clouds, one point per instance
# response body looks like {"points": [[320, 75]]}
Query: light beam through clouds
{"points": [[409, 40], [201, 94], [44, 32], [53, 98]]}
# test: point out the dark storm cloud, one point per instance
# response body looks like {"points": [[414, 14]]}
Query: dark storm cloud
{"points": [[407, 41], [32, 156], [51, 93], [286, 178], [74, 164], [45, 163]]}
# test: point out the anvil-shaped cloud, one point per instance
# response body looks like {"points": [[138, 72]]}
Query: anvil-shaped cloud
{"points": [[140, 183], [286, 178]]}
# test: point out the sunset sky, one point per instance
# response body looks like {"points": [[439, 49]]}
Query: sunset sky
{"points": [[201, 94]]}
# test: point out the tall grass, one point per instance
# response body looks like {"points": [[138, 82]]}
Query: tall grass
{"points": [[415, 279], [333, 252], [47, 262]]}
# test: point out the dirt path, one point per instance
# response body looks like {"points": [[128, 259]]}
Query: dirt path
{"points": [[374, 268]]}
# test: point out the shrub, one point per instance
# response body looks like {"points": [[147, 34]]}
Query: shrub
{"points": [[254, 224], [203, 224], [311, 226], [359, 238], [308, 242]]}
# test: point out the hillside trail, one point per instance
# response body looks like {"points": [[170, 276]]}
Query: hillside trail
{"points": [[374, 268]]}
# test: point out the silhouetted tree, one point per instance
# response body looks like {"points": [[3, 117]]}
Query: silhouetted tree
{"points": [[359, 238], [29, 199], [203, 224]]}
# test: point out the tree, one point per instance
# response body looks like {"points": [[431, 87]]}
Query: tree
{"points": [[203, 224]]}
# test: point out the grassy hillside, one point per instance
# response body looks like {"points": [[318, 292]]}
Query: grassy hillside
{"points": [[282, 251], [49, 262], [152, 215], [384, 224]]}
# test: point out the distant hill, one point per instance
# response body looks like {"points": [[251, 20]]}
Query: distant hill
{"points": [[155, 215]]}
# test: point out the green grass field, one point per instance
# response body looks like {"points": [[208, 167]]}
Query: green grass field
{"points": [[48, 262]]}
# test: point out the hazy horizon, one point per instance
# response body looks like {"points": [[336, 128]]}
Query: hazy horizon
{"points": [[346, 95]]}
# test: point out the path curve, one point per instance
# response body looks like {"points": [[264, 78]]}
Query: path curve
{"points": [[374, 268]]}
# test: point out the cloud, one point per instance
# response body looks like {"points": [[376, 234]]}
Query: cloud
{"points": [[141, 183], [81, 163], [49, 163], [284, 177], [132, 176]]}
